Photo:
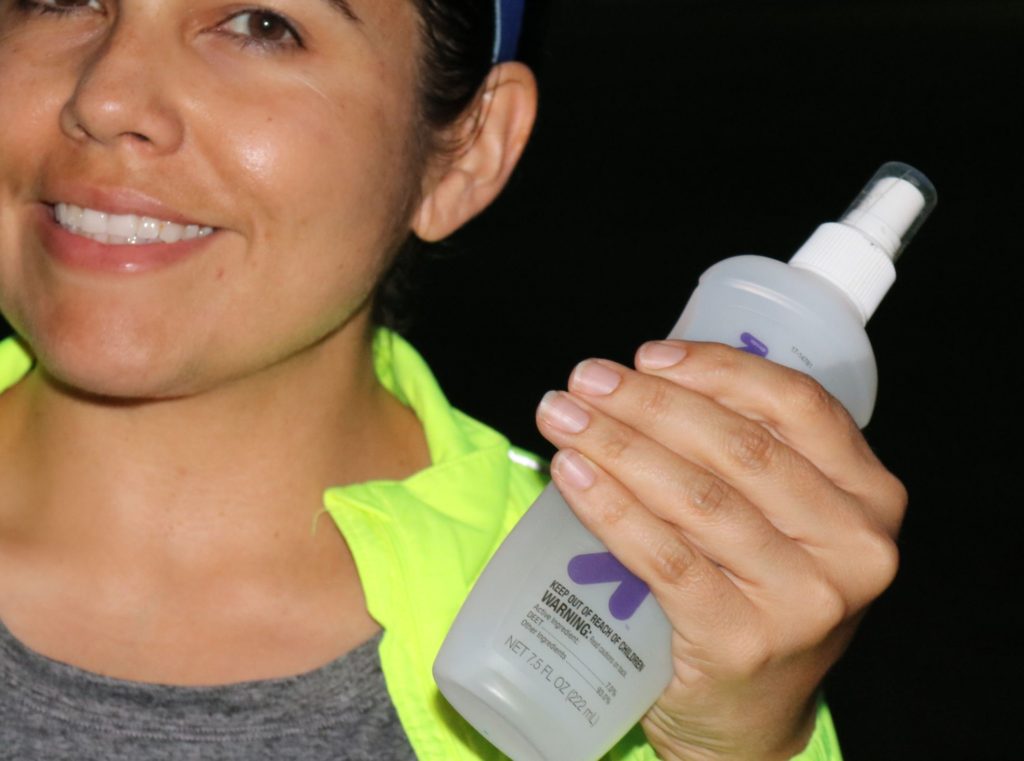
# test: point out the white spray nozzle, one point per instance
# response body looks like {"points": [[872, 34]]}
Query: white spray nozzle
{"points": [[857, 253]]}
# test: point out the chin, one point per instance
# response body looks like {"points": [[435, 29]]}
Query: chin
{"points": [[112, 359], [108, 375]]}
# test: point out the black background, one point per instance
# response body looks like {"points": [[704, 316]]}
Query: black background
{"points": [[674, 134]]}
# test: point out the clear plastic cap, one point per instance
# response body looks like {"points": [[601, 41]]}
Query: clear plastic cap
{"points": [[856, 253], [892, 207]]}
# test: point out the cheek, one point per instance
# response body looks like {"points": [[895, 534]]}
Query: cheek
{"points": [[28, 121], [349, 160], [30, 104], [331, 177], [38, 73]]}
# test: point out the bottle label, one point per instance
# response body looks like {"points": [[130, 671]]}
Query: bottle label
{"points": [[603, 567], [753, 345], [574, 641]]}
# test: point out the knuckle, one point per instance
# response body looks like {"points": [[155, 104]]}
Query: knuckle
{"points": [[828, 607], [614, 443], [611, 511], [883, 496], [896, 499], [707, 494], [808, 397], [656, 403], [751, 448], [675, 562], [750, 652], [880, 559], [722, 357]]}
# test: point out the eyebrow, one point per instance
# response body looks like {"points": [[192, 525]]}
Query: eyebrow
{"points": [[345, 8]]}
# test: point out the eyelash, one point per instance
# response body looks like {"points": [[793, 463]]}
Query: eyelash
{"points": [[31, 6], [242, 40]]}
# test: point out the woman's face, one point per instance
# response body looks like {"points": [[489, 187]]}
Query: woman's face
{"points": [[273, 148]]}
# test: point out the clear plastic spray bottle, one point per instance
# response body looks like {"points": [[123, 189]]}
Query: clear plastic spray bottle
{"points": [[559, 650]]}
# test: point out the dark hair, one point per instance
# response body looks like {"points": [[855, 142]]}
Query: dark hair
{"points": [[457, 38], [457, 44]]}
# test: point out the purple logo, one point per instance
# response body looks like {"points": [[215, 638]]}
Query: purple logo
{"points": [[753, 345], [603, 567]]}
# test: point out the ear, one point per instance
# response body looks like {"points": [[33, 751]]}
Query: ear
{"points": [[494, 132]]}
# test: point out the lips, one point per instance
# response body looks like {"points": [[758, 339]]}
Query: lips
{"points": [[113, 228], [107, 251]]}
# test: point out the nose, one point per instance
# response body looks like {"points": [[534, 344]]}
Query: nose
{"points": [[122, 96]]}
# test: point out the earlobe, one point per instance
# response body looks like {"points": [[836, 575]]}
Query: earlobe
{"points": [[495, 131]]}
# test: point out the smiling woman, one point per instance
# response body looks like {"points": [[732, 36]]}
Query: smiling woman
{"points": [[179, 120], [201, 203]]}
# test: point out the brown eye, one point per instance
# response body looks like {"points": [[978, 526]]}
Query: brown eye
{"points": [[61, 7], [262, 27], [267, 27]]}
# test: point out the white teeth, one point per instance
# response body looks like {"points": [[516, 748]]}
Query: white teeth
{"points": [[123, 225], [73, 215], [123, 229], [171, 233], [94, 221], [149, 229]]}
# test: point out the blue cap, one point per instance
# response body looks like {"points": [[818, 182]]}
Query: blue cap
{"points": [[508, 21]]}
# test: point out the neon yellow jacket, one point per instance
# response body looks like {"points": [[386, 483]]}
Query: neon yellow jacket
{"points": [[420, 543]]}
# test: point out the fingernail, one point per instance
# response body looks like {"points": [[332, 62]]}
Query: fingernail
{"points": [[592, 377], [562, 413], [573, 469], [658, 355]]}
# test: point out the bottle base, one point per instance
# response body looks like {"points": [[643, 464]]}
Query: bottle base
{"points": [[487, 708]]}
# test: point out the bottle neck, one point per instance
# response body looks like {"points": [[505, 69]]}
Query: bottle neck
{"points": [[851, 261]]}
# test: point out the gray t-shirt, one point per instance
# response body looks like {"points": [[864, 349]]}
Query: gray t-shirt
{"points": [[54, 711]]}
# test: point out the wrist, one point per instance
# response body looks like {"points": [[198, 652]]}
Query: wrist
{"points": [[785, 741]]}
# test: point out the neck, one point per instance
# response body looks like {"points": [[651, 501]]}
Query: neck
{"points": [[229, 467]]}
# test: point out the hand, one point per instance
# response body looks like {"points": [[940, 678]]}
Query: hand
{"points": [[750, 503]]}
